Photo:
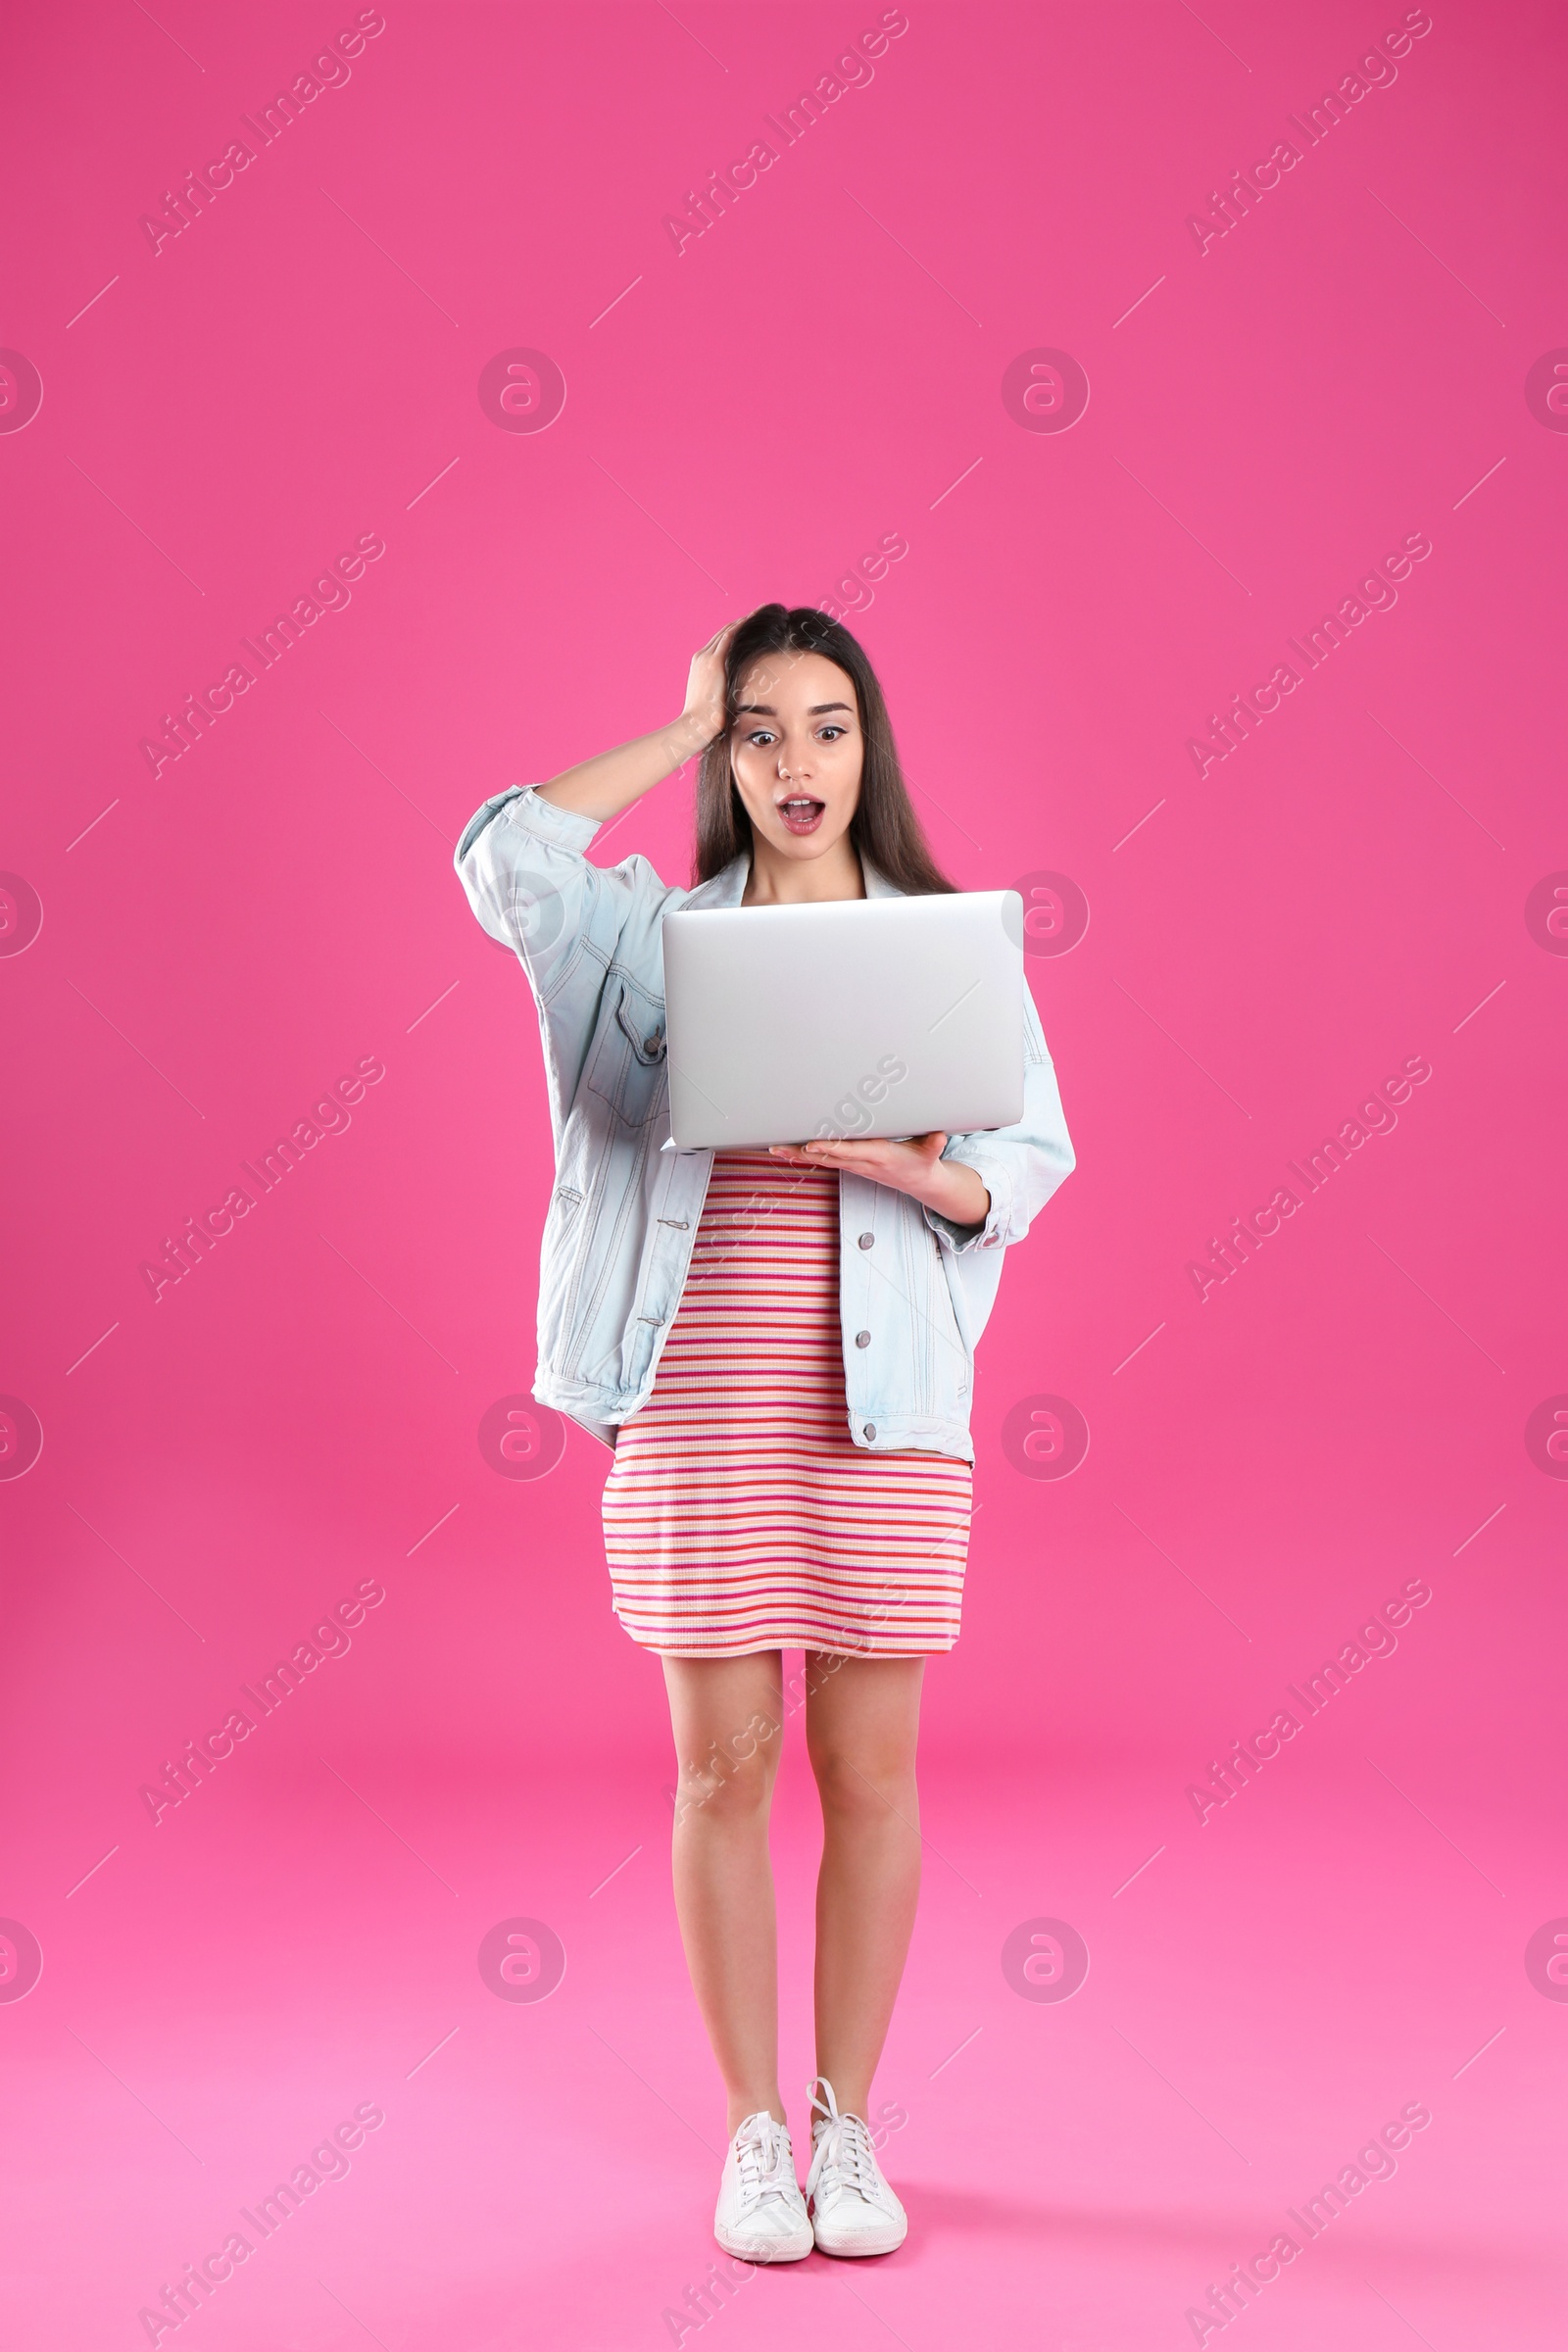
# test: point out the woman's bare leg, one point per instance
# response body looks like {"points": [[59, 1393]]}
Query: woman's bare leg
{"points": [[862, 1723], [727, 1718]]}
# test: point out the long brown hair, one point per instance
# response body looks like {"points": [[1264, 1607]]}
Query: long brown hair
{"points": [[884, 829]]}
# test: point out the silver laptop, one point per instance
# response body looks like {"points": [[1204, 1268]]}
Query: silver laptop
{"points": [[861, 1017]]}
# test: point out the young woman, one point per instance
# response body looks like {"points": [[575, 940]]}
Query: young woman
{"points": [[779, 1347]]}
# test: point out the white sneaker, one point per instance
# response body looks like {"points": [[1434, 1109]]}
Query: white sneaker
{"points": [[853, 2209], [760, 2213]]}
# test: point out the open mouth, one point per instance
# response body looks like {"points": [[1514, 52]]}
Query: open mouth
{"points": [[800, 813]]}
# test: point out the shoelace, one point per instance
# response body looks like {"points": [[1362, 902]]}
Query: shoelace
{"points": [[846, 2161], [766, 2166]]}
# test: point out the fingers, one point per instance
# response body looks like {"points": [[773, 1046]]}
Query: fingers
{"points": [[821, 1152]]}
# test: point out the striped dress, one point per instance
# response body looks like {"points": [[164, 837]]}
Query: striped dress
{"points": [[738, 1514]]}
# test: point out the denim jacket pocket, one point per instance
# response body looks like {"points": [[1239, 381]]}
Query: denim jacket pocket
{"points": [[954, 1356], [628, 1066], [557, 1268]]}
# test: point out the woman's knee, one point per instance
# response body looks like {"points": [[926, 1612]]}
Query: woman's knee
{"points": [[732, 1777], [872, 1784]]}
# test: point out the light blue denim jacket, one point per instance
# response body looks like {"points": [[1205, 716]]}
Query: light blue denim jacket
{"points": [[915, 1289]]}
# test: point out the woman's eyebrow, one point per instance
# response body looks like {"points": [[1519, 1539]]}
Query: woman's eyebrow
{"points": [[767, 710]]}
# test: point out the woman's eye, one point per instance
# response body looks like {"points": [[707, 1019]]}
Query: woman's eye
{"points": [[831, 733]]}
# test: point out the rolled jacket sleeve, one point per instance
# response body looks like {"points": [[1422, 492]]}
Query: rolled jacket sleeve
{"points": [[1020, 1166], [572, 924], [566, 827], [523, 865]]}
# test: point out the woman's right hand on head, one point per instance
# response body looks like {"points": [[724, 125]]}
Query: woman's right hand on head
{"points": [[704, 714], [602, 787]]}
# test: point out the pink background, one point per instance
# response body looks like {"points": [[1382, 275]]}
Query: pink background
{"points": [[745, 419]]}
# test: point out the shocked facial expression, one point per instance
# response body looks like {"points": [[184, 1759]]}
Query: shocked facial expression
{"points": [[797, 750]]}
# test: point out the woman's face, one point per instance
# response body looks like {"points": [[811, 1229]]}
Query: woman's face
{"points": [[797, 750]]}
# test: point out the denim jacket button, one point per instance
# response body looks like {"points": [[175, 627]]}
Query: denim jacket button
{"points": [[866, 1239], [869, 1430], [862, 1339]]}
